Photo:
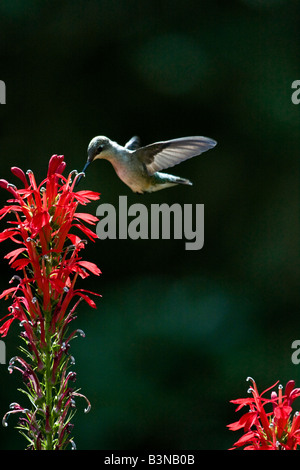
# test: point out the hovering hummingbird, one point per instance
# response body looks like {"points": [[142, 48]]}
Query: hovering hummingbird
{"points": [[139, 167]]}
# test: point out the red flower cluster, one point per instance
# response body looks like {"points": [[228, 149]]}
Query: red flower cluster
{"points": [[278, 428], [49, 263], [44, 216]]}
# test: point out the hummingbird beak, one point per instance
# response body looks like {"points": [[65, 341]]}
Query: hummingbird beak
{"points": [[86, 165], [83, 171]]}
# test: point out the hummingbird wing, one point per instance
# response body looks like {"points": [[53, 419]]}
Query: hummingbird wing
{"points": [[161, 155], [134, 143]]}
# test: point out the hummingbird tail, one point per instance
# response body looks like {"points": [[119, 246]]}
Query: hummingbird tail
{"points": [[179, 180], [163, 180]]}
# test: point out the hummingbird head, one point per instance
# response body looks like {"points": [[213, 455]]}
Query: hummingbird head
{"points": [[97, 148]]}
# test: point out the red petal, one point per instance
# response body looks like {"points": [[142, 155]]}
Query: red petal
{"points": [[54, 163], [74, 238], [82, 293], [295, 393], [86, 231], [88, 300], [246, 438], [20, 263], [289, 387], [5, 184], [5, 327], [92, 267], [14, 254], [20, 174], [60, 169], [7, 292], [242, 402], [88, 218], [282, 412], [39, 220], [8, 233], [269, 388], [85, 196]]}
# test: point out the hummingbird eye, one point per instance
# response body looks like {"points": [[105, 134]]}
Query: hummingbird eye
{"points": [[100, 148]]}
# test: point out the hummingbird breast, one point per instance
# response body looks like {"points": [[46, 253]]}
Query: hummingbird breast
{"points": [[132, 174]]}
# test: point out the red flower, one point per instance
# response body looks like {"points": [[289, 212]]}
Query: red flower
{"points": [[277, 428], [45, 297], [45, 215]]}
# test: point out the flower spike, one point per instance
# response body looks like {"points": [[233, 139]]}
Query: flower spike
{"points": [[44, 296], [276, 429]]}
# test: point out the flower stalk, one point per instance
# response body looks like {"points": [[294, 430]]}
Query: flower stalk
{"points": [[44, 298]]}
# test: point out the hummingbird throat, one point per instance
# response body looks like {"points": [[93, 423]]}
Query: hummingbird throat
{"points": [[160, 221]]}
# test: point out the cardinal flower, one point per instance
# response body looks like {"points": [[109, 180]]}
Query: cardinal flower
{"points": [[46, 227], [269, 423]]}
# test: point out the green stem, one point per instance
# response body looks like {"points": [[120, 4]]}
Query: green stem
{"points": [[48, 384]]}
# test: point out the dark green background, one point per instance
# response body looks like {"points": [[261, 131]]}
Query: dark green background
{"points": [[177, 332]]}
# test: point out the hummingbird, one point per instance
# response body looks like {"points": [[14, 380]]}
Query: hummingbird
{"points": [[139, 167]]}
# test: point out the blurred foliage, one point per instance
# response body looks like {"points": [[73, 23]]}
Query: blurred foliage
{"points": [[177, 332]]}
